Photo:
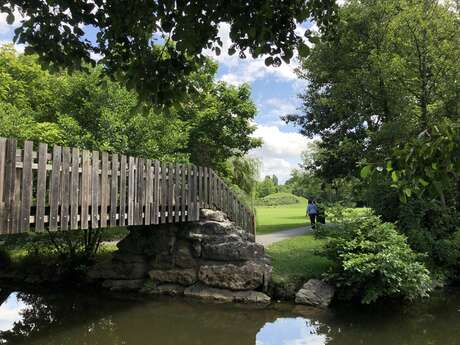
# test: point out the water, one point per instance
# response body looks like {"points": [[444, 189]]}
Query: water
{"points": [[88, 318]]}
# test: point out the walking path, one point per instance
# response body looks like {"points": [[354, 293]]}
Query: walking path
{"points": [[268, 239]]}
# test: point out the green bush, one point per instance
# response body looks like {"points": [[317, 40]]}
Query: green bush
{"points": [[338, 213], [372, 261], [277, 199]]}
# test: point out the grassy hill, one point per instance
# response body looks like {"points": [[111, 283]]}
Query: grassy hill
{"points": [[278, 199]]}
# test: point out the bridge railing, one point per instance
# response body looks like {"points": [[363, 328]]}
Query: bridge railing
{"points": [[62, 188]]}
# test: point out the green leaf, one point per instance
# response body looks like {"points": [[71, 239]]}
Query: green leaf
{"points": [[394, 176], [423, 182], [403, 198], [407, 191], [304, 50], [269, 61], [365, 171], [10, 18], [389, 166]]}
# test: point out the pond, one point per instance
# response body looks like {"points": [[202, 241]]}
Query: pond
{"points": [[89, 318]]}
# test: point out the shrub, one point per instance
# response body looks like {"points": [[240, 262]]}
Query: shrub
{"points": [[372, 261], [338, 213]]}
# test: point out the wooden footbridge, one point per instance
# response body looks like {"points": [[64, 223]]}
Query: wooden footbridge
{"points": [[67, 188]]}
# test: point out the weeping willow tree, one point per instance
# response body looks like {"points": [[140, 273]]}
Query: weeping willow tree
{"points": [[244, 172]]}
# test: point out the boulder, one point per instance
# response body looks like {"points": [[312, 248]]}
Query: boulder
{"points": [[149, 240], [183, 257], [316, 293], [164, 289], [217, 216], [162, 261], [196, 248], [185, 277], [212, 228], [223, 295], [248, 276], [283, 290], [123, 285], [232, 250]]}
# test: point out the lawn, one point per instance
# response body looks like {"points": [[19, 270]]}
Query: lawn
{"points": [[274, 218], [295, 259]]}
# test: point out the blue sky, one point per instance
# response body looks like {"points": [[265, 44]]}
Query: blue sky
{"points": [[274, 90]]}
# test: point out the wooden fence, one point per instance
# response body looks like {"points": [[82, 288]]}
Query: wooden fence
{"points": [[70, 188]]}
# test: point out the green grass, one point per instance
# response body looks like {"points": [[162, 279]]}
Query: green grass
{"points": [[275, 218], [295, 260]]}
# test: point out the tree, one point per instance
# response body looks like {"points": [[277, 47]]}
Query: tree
{"points": [[384, 97], [220, 127], [388, 73], [242, 174], [152, 46], [79, 110], [266, 187]]}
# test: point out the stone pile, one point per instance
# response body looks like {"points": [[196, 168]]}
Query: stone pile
{"points": [[212, 259]]}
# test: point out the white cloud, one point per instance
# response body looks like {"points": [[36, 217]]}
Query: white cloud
{"points": [[248, 70], [271, 110], [5, 27], [280, 151]]}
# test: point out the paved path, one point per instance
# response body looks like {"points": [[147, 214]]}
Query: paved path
{"points": [[268, 239]]}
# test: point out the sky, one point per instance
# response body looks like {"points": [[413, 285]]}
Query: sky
{"points": [[274, 91]]}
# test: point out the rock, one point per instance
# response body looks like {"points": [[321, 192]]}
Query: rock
{"points": [[223, 295], [316, 293], [184, 277], [251, 297], [283, 290], [162, 261], [249, 276], [212, 228], [183, 257], [123, 285], [196, 248], [149, 240], [217, 216], [212, 259], [232, 250], [164, 289]]}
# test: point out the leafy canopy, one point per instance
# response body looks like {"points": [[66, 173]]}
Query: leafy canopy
{"points": [[80, 110], [128, 33]]}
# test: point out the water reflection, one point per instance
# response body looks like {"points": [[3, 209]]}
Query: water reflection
{"points": [[291, 331], [89, 319], [10, 311]]}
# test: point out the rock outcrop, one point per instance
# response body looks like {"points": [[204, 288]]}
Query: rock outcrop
{"points": [[315, 293], [212, 259]]}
